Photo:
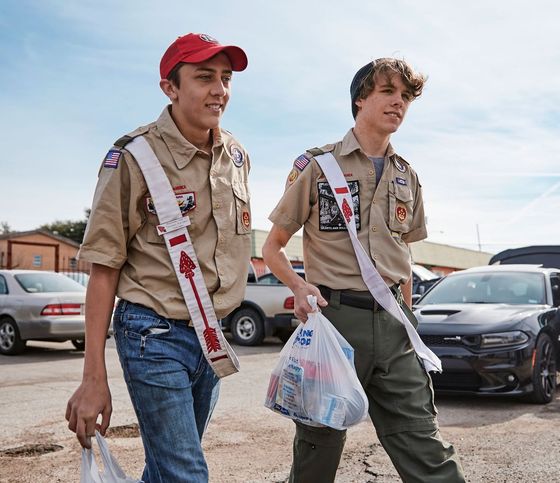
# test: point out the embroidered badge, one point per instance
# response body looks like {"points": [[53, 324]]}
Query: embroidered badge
{"points": [[208, 38], [185, 199], [401, 181], [112, 159], [301, 162], [236, 156], [401, 167], [400, 211], [330, 217], [246, 219], [292, 176]]}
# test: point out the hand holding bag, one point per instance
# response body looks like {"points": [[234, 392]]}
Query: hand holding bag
{"points": [[112, 473], [315, 381]]}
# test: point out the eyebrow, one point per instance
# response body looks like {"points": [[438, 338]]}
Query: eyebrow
{"points": [[208, 69]]}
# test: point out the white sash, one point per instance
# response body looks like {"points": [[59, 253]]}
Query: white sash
{"points": [[173, 228], [374, 282]]}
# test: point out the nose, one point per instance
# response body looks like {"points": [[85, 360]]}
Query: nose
{"points": [[219, 89]]}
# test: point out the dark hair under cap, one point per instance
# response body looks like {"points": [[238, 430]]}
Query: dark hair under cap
{"points": [[356, 84]]}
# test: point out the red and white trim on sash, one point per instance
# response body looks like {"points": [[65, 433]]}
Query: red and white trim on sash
{"points": [[173, 228], [374, 282]]}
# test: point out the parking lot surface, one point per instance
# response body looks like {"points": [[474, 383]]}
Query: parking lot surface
{"points": [[499, 440]]}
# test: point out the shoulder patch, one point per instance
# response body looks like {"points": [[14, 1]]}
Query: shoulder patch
{"points": [[301, 162], [112, 159], [315, 151]]}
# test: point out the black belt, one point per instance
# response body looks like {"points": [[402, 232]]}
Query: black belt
{"points": [[361, 300]]}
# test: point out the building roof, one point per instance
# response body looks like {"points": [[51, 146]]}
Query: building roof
{"points": [[20, 234], [439, 255], [423, 253]]}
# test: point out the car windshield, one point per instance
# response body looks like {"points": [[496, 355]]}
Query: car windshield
{"points": [[423, 273], [47, 282], [516, 288]]}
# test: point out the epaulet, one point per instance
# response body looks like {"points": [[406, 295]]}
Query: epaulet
{"points": [[124, 140], [315, 151]]}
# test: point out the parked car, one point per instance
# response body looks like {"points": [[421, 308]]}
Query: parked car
{"points": [[81, 277], [546, 255], [496, 330], [36, 305], [422, 279], [267, 309]]}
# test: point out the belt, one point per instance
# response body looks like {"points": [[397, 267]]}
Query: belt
{"points": [[361, 300]]}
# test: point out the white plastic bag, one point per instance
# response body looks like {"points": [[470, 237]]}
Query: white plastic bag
{"points": [[315, 381], [112, 473]]}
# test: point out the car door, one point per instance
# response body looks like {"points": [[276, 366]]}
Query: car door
{"points": [[3, 293]]}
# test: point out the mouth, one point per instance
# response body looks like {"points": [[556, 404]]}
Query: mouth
{"points": [[215, 107], [394, 114]]}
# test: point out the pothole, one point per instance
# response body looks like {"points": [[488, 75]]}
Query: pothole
{"points": [[30, 450], [125, 431]]}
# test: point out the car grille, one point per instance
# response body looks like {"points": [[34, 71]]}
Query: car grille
{"points": [[459, 381], [441, 340]]}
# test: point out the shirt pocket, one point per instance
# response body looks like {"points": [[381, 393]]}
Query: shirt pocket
{"points": [[400, 208], [242, 208], [152, 221]]}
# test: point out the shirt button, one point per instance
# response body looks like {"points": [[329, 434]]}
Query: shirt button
{"points": [[216, 206], [373, 228], [371, 172]]}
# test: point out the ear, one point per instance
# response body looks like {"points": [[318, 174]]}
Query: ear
{"points": [[359, 103], [169, 89]]}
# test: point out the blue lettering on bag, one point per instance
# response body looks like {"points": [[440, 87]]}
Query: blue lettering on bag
{"points": [[304, 337]]}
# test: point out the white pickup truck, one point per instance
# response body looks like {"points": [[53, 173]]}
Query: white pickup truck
{"points": [[268, 309]]}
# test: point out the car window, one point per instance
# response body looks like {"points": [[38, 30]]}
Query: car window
{"points": [[555, 284], [269, 279], [489, 288], [3, 286], [47, 282]]}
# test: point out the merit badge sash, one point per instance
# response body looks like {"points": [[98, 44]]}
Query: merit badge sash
{"points": [[374, 282], [173, 228]]}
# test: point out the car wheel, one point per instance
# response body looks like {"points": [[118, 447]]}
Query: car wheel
{"points": [[10, 340], [247, 327], [284, 334], [79, 344], [544, 371]]}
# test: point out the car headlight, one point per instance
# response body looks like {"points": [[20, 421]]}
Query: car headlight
{"points": [[501, 339]]}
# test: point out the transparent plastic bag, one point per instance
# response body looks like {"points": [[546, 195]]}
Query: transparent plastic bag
{"points": [[112, 472], [315, 381]]}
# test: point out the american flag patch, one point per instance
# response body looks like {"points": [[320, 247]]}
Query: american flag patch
{"points": [[301, 162], [112, 159]]}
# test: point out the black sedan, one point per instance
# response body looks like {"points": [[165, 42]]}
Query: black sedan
{"points": [[496, 330]]}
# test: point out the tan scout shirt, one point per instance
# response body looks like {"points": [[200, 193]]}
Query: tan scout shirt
{"points": [[386, 217], [211, 190]]}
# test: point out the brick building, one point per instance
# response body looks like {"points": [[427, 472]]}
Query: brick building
{"points": [[40, 250]]}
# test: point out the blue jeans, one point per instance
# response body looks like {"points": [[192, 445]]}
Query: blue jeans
{"points": [[173, 390]]}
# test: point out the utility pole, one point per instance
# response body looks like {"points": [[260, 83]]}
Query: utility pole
{"points": [[478, 238]]}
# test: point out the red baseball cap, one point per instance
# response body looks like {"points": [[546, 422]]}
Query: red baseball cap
{"points": [[194, 48]]}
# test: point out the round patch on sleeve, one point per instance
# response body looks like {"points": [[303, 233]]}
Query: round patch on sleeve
{"points": [[401, 167], [293, 176], [236, 155], [400, 211]]}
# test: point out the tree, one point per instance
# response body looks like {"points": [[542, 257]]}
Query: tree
{"points": [[5, 228], [70, 229]]}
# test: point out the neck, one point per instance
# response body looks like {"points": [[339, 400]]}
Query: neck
{"points": [[199, 138], [372, 144]]}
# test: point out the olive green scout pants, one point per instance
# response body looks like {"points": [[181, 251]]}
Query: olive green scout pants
{"points": [[401, 403]]}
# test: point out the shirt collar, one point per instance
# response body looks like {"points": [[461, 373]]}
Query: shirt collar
{"points": [[351, 144], [181, 149]]}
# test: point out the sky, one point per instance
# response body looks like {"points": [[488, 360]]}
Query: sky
{"points": [[483, 138]]}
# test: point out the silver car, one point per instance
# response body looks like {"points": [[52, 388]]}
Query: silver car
{"points": [[36, 305]]}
